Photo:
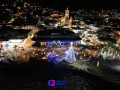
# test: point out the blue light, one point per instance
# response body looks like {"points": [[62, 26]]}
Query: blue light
{"points": [[71, 41], [48, 43], [63, 42], [61, 82], [67, 52]]}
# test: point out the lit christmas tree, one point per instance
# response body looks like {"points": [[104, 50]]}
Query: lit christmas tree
{"points": [[70, 54]]}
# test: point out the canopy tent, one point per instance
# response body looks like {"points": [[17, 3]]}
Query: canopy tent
{"points": [[10, 33], [55, 34]]}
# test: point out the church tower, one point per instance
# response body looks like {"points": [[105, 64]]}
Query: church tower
{"points": [[70, 23], [67, 16], [66, 20]]}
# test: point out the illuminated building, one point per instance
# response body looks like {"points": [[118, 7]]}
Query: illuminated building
{"points": [[117, 36], [56, 37], [66, 20], [67, 16], [62, 22], [56, 41], [70, 23]]}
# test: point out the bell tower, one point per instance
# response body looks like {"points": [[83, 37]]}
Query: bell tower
{"points": [[70, 22], [67, 16]]}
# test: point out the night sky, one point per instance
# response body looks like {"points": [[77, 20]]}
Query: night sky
{"points": [[80, 4]]}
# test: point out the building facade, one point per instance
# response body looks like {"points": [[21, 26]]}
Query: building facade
{"points": [[66, 20]]}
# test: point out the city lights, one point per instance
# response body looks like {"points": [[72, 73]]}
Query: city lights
{"points": [[82, 39]]}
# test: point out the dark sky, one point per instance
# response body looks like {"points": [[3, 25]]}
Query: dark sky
{"points": [[78, 4]]}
